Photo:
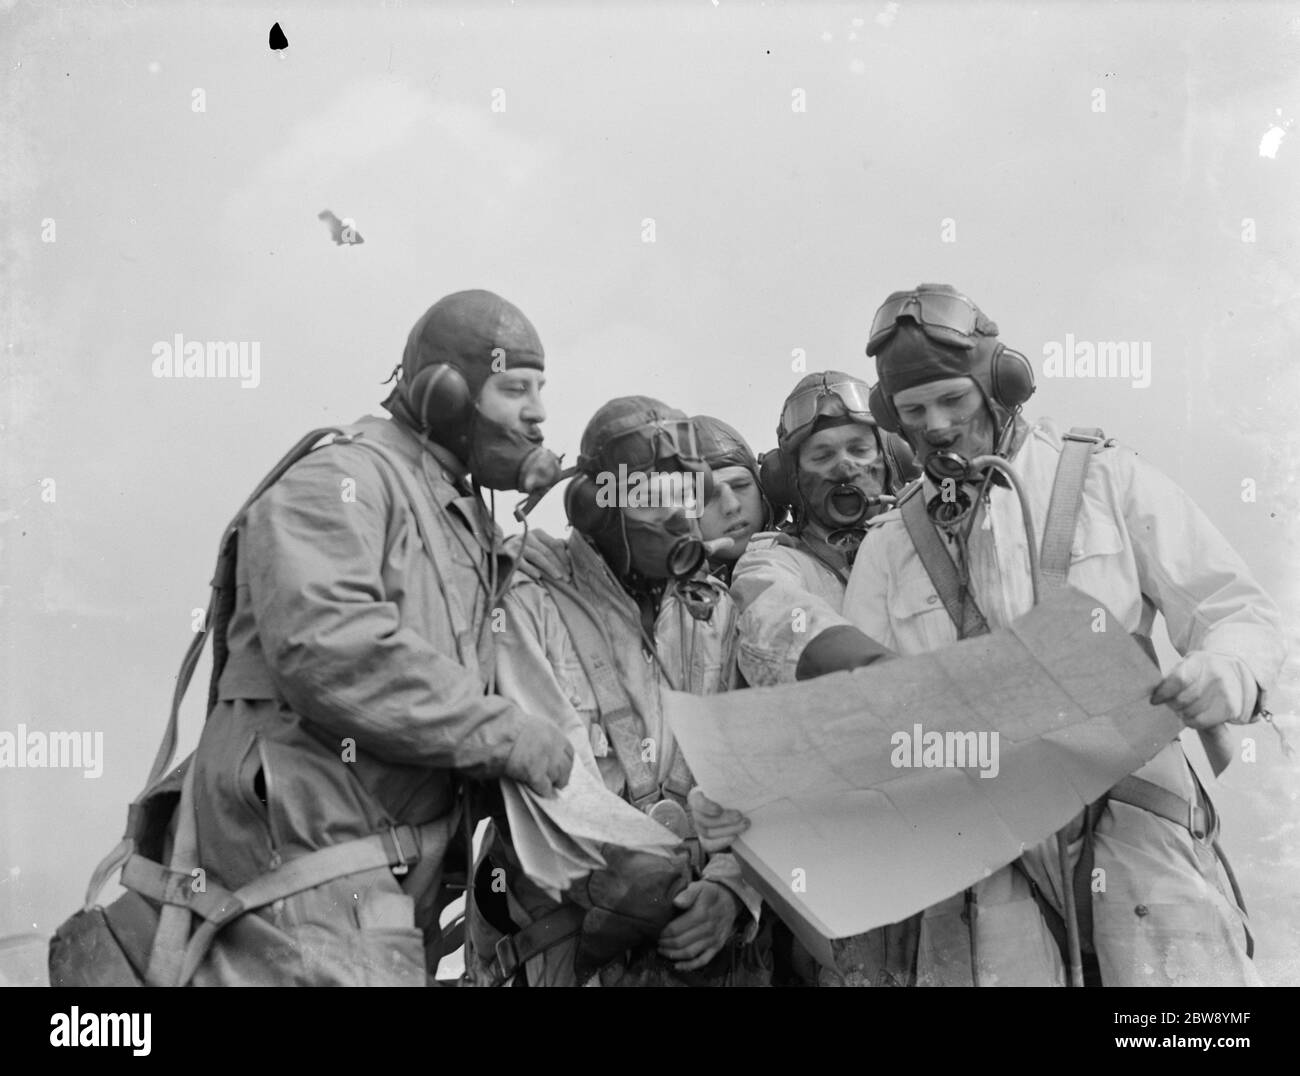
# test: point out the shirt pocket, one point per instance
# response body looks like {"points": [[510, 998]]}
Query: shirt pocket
{"points": [[919, 618], [572, 681], [1095, 536], [1098, 562]]}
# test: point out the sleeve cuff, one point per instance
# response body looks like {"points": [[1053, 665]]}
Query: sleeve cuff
{"points": [[725, 871]]}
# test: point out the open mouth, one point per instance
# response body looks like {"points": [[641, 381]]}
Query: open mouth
{"points": [[846, 502]]}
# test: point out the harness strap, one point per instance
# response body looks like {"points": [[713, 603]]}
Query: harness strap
{"points": [[1051, 917], [220, 605], [1054, 559], [623, 726], [939, 566], [1200, 821], [167, 952], [469, 649], [1063, 510], [513, 951], [821, 557], [397, 848], [172, 959], [1082, 885]]}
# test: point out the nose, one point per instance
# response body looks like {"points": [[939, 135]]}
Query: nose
{"points": [[938, 424], [533, 410], [845, 466], [728, 500]]}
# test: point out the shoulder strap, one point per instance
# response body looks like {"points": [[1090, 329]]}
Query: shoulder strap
{"points": [[942, 571], [1063, 510], [623, 725], [1054, 559], [470, 646], [821, 558], [220, 605]]}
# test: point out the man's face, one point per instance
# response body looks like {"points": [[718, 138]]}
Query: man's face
{"points": [[734, 511], [847, 454], [946, 416], [513, 398]]}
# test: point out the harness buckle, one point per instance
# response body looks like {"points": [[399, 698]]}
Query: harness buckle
{"points": [[507, 958], [398, 859]]}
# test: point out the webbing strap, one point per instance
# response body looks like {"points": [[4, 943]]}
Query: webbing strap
{"points": [[624, 727], [167, 886], [680, 780], [1082, 884], [398, 847], [1197, 820], [513, 951], [939, 566], [1063, 510], [1054, 559], [222, 596], [168, 950], [821, 556], [439, 550]]}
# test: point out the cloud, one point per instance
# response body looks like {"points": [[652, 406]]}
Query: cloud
{"points": [[402, 130]]}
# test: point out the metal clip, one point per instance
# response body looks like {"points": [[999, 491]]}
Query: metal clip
{"points": [[403, 864]]}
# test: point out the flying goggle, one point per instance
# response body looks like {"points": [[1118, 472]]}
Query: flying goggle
{"points": [[647, 444], [802, 409], [947, 319]]}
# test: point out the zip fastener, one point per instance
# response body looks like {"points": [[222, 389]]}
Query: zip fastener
{"points": [[275, 859]]}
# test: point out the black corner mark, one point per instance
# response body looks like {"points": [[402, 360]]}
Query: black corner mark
{"points": [[278, 40]]}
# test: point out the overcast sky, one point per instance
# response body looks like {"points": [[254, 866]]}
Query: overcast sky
{"points": [[1117, 173]]}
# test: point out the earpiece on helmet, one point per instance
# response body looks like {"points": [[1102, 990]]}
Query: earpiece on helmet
{"points": [[776, 483], [585, 515], [900, 460], [882, 410], [1011, 378], [440, 397]]}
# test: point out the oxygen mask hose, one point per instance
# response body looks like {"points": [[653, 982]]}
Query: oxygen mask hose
{"points": [[943, 468]]}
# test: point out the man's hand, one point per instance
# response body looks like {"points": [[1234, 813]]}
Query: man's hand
{"points": [[541, 557], [698, 934], [1208, 689], [716, 826], [541, 757]]}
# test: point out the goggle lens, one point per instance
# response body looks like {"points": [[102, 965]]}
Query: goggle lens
{"points": [[950, 319]]}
